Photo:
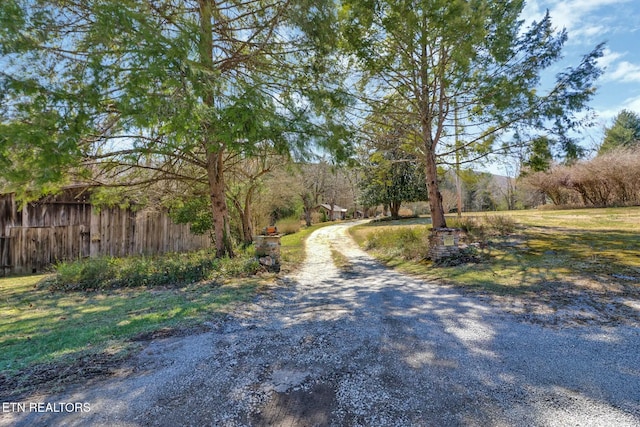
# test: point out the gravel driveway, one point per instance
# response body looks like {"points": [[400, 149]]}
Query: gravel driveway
{"points": [[369, 347]]}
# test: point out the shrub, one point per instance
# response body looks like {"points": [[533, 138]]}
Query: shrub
{"points": [[478, 229], [501, 224], [406, 243], [288, 225], [83, 274], [162, 270], [239, 266], [472, 227], [611, 179]]}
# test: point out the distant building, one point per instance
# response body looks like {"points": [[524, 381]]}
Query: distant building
{"points": [[332, 212]]}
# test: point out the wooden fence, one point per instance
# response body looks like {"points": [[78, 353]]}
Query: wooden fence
{"points": [[68, 227]]}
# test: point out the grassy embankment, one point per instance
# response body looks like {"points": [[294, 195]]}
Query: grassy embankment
{"points": [[590, 249], [53, 333]]}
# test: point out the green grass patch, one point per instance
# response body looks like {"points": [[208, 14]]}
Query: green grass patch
{"points": [[527, 251], [92, 312], [404, 243], [340, 260], [39, 327]]}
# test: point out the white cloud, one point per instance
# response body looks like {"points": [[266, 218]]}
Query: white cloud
{"points": [[609, 57], [532, 10], [618, 71], [589, 31], [632, 104], [605, 117], [571, 14], [586, 21], [625, 72]]}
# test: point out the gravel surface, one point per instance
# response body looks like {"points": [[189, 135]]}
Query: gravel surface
{"points": [[366, 346]]}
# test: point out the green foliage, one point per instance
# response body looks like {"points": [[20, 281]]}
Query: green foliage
{"points": [[392, 176], [240, 266], [463, 76], [195, 211], [625, 132], [86, 274], [165, 270], [477, 195], [406, 243], [285, 210], [540, 156], [136, 94]]}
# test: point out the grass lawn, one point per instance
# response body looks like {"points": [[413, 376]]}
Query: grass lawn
{"points": [[40, 329], [595, 249], [48, 338]]}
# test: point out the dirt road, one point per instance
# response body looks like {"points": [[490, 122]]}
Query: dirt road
{"points": [[368, 347]]}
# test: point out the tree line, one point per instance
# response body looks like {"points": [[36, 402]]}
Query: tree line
{"points": [[611, 178], [193, 104]]}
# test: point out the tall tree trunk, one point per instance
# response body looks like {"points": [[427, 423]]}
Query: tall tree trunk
{"points": [[247, 227], [427, 116], [244, 212], [308, 208], [394, 207], [215, 158], [219, 210], [435, 197]]}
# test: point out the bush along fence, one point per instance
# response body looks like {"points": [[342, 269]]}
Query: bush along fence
{"points": [[67, 227]]}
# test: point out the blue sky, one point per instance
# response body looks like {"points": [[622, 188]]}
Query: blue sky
{"points": [[589, 22]]}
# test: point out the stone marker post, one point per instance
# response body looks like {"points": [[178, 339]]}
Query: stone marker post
{"points": [[268, 251], [444, 243]]}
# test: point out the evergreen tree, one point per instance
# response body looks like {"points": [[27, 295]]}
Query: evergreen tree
{"points": [[132, 93], [625, 132], [463, 70], [391, 178]]}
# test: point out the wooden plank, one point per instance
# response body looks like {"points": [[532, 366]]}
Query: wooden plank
{"points": [[94, 234], [5, 253]]}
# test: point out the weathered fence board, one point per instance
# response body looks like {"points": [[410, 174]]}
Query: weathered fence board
{"points": [[33, 249], [62, 229], [5, 256]]}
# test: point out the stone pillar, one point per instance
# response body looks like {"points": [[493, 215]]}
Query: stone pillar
{"points": [[268, 251], [444, 243]]}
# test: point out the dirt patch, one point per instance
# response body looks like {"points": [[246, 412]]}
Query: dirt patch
{"points": [[55, 377], [58, 376], [302, 407], [170, 332]]}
